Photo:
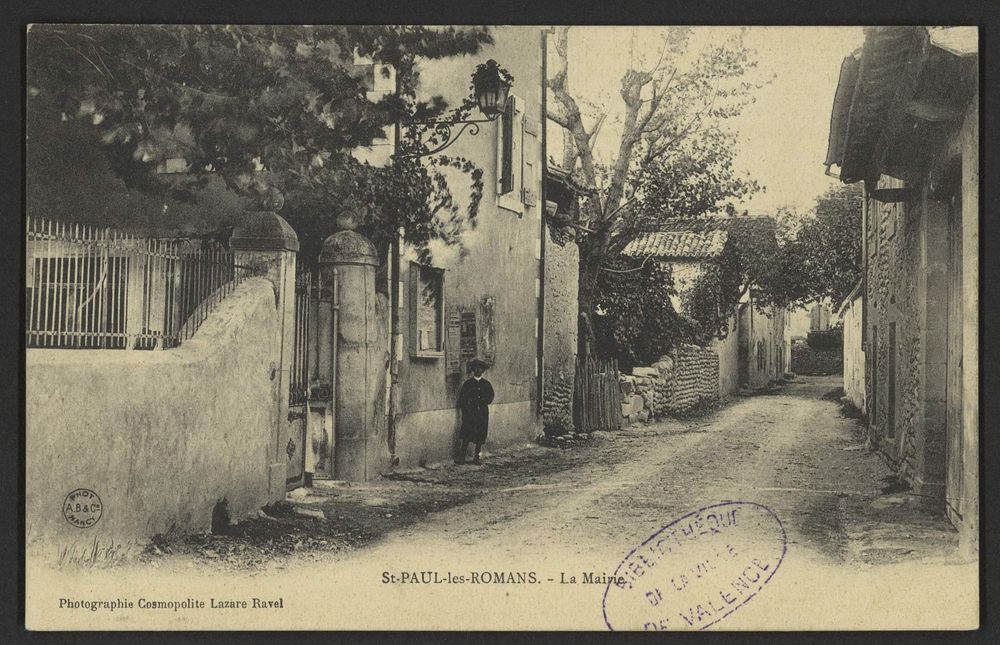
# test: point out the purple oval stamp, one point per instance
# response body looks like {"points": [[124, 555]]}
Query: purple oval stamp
{"points": [[696, 570]]}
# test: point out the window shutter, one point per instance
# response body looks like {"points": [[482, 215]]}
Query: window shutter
{"points": [[530, 126], [506, 170], [528, 191]]}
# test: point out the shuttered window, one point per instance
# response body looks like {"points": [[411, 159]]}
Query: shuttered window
{"points": [[510, 157], [507, 149]]}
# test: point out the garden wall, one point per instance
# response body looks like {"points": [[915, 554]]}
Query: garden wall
{"points": [[675, 383], [160, 436]]}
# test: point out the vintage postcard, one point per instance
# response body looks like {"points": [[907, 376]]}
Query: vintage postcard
{"points": [[397, 327]]}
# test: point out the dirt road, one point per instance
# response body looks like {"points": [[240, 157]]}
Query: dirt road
{"points": [[860, 554]]}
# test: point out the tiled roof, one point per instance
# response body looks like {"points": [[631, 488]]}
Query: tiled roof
{"points": [[705, 243]]}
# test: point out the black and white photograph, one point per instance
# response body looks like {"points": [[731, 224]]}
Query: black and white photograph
{"points": [[501, 327]]}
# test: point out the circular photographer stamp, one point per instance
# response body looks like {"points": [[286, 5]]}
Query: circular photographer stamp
{"points": [[83, 508], [697, 570]]}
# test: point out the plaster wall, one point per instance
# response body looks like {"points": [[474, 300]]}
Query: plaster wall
{"points": [[160, 436], [499, 258], [727, 350], [854, 355]]}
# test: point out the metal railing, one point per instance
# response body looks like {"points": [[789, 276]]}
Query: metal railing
{"points": [[98, 288]]}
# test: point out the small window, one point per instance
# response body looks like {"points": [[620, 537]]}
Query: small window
{"points": [[426, 311]]}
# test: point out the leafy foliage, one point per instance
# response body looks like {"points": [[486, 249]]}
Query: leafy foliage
{"points": [[826, 340], [823, 260], [747, 263], [636, 321], [707, 305], [273, 110], [695, 179]]}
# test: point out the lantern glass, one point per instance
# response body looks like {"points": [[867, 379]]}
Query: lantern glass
{"points": [[491, 95]]}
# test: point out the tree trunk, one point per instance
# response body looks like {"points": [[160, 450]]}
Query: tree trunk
{"points": [[593, 251]]}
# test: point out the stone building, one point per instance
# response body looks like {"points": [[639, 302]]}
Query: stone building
{"points": [[752, 353], [560, 296], [905, 122], [761, 344]]}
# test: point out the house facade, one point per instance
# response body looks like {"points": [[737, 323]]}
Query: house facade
{"points": [[905, 122], [851, 318], [482, 298], [763, 352]]}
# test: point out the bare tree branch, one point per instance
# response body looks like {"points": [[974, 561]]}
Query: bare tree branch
{"points": [[559, 85]]}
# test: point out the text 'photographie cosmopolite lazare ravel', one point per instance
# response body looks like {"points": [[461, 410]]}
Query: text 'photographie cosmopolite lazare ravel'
{"points": [[506, 327]]}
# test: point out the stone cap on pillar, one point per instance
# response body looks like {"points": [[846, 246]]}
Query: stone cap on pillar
{"points": [[264, 231], [348, 247]]}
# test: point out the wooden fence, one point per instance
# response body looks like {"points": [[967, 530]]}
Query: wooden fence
{"points": [[597, 398]]}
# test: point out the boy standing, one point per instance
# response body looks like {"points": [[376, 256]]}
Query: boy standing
{"points": [[473, 400]]}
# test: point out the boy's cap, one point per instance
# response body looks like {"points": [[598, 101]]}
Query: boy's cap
{"points": [[477, 364]]}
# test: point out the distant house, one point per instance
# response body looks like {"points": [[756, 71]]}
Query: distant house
{"points": [[753, 352], [905, 122], [819, 317]]}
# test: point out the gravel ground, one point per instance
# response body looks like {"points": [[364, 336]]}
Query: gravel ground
{"points": [[791, 450], [859, 552]]}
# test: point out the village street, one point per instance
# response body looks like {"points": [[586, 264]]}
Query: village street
{"points": [[712, 385], [858, 549], [791, 452]]}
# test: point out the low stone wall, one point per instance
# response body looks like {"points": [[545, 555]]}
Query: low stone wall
{"points": [[648, 391], [811, 362], [675, 383], [160, 436], [697, 376]]}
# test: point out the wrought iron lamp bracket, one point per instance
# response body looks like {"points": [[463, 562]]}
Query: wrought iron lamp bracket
{"points": [[442, 131]]}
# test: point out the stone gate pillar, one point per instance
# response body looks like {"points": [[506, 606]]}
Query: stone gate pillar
{"points": [[266, 242], [359, 370]]}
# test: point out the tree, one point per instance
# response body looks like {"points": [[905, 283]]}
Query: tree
{"points": [[635, 320], [823, 260], [670, 133], [273, 110]]}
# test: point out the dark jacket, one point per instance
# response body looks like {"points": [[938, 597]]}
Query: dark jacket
{"points": [[473, 400]]}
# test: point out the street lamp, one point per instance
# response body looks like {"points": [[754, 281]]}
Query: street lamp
{"points": [[491, 85], [491, 89]]}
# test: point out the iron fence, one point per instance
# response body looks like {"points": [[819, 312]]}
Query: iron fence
{"points": [[98, 288]]}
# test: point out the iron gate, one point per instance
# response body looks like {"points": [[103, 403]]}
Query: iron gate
{"points": [[298, 387]]}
